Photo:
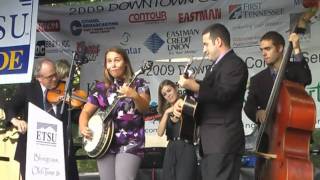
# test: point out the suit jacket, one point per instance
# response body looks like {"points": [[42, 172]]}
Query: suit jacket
{"points": [[32, 92], [261, 86], [220, 101]]}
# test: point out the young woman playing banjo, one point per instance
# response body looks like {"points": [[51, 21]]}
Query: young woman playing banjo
{"points": [[122, 159]]}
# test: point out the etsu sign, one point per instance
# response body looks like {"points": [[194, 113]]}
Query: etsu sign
{"points": [[9, 25], [18, 22], [14, 60]]}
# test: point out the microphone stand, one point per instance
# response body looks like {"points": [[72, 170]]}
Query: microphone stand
{"points": [[68, 93]]}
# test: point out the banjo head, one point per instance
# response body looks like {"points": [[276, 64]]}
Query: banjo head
{"points": [[97, 128]]}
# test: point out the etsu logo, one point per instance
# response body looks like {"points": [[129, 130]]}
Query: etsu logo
{"points": [[10, 27], [46, 134]]}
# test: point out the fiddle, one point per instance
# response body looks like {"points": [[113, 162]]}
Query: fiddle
{"points": [[78, 97]]}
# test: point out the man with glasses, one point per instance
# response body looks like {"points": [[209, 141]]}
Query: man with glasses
{"points": [[35, 92]]}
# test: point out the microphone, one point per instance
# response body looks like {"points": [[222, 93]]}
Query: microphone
{"points": [[311, 3]]}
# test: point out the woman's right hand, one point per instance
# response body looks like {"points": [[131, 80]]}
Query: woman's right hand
{"points": [[85, 115], [86, 132]]}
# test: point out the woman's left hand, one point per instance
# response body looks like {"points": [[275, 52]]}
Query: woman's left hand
{"points": [[126, 91]]}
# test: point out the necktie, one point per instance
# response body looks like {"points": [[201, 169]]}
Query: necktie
{"points": [[47, 106], [212, 65], [274, 75]]}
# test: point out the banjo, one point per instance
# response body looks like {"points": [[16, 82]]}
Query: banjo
{"points": [[102, 125]]}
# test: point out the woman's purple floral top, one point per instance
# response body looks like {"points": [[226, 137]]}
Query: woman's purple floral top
{"points": [[129, 124]]}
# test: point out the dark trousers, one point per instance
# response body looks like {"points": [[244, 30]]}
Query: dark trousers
{"points": [[220, 166], [180, 162]]}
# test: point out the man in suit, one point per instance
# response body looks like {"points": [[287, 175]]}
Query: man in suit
{"points": [[272, 46], [220, 99], [35, 92]]}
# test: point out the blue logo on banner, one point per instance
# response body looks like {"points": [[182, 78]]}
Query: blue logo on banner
{"points": [[76, 28], [14, 60], [154, 43]]}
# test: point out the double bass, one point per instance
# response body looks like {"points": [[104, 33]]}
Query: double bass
{"points": [[290, 121]]}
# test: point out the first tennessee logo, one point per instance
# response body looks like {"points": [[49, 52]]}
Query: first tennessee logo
{"points": [[235, 11]]}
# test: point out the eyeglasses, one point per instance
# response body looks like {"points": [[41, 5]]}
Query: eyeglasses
{"points": [[50, 77]]}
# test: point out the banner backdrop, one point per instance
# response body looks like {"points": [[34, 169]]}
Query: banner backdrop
{"points": [[18, 21], [162, 30]]}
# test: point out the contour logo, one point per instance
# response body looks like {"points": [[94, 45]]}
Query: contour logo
{"points": [[154, 43], [158, 16], [76, 28]]}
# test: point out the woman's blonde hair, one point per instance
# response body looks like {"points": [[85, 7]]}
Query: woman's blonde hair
{"points": [[62, 68]]}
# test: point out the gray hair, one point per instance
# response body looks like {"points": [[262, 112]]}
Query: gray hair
{"points": [[39, 64]]}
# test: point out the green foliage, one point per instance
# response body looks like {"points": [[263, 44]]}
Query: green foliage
{"points": [[85, 164], [316, 136], [6, 92], [316, 145]]}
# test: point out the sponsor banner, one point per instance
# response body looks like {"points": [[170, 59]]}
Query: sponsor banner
{"points": [[18, 20], [163, 30], [151, 136], [45, 147]]}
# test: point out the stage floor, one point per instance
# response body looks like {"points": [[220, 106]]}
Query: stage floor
{"points": [[146, 174]]}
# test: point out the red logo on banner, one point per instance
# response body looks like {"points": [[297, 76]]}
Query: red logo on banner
{"points": [[311, 3], [48, 26]]}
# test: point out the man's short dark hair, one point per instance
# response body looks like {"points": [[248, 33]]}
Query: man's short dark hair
{"points": [[218, 30], [276, 38]]}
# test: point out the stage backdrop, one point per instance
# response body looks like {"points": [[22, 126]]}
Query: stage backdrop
{"points": [[168, 29]]}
